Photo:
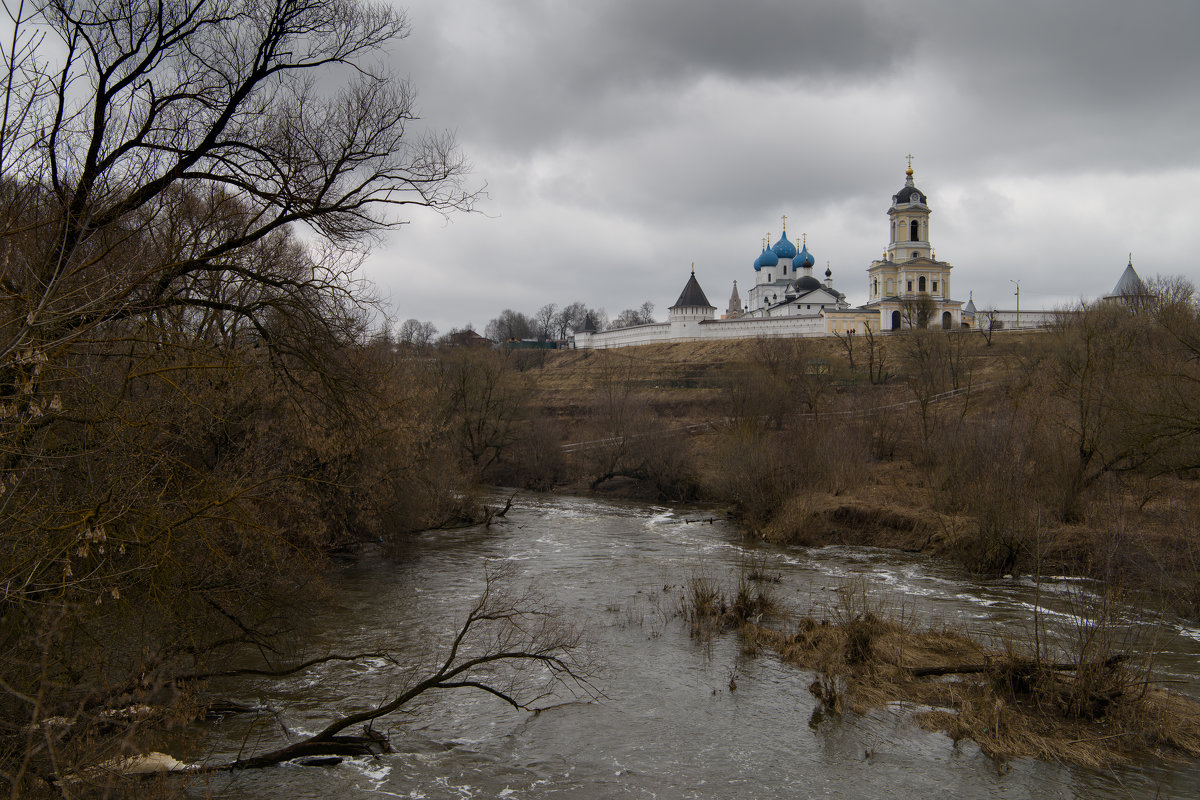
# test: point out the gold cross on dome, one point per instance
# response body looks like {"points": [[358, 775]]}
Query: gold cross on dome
{"points": [[910, 158], [784, 218]]}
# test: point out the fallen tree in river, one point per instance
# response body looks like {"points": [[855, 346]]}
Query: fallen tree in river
{"points": [[499, 630], [510, 645]]}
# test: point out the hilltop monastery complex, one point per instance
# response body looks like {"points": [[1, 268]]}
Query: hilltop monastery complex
{"points": [[907, 286]]}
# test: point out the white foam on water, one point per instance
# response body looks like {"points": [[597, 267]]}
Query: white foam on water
{"points": [[373, 769], [1188, 631]]}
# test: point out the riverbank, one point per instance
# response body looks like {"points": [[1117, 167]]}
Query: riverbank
{"points": [[998, 456], [1090, 713], [1091, 700], [681, 715]]}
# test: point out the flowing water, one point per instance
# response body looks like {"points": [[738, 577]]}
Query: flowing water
{"points": [[670, 723]]}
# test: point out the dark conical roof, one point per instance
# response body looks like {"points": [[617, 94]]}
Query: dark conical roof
{"points": [[589, 324], [692, 295]]}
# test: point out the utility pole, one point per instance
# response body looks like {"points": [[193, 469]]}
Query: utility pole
{"points": [[1018, 285]]}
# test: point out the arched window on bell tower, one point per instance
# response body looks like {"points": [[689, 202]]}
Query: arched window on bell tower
{"points": [[921, 284], [914, 231]]}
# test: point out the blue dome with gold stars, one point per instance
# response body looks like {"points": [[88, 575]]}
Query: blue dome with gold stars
{"points": [[784, 248], [766, 259]]}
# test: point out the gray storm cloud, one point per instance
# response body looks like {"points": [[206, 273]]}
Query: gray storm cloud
{"points": [[620, 141]]}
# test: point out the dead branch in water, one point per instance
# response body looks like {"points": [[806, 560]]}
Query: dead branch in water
{"points": [[502, 630]]}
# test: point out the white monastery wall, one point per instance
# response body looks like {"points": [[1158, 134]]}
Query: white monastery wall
{"points": [[693, 330], [1007, 318], [625, 337]]}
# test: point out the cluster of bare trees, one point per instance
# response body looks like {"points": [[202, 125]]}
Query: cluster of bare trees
{"points": [[551, 322], [415, 333], [189, 415], [1083, 425]]}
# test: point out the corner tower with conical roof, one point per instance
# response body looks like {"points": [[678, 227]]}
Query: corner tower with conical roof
{"points": [[690, 310], [1131, 290]]}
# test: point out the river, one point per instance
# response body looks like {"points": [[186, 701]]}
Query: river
{"points": [[670, 723]]}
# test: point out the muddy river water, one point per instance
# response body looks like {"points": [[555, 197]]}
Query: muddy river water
{"points": [[669, 724]]}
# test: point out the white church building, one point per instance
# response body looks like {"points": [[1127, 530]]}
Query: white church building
{"points": [[908, 286]]}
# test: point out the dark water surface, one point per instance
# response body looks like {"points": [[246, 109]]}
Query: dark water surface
{"points": [[669, 725]]}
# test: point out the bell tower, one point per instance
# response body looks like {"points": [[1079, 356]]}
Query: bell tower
{"points": [[909, 221]]}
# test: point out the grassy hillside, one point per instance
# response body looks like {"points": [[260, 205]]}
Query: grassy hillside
{"points": [[1031, 452], [691, 381]]}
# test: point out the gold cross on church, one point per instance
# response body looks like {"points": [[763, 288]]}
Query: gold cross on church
{"points": [[910, 158], [784, 218]]}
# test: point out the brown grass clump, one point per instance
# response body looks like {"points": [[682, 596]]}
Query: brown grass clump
{"points": [[1091, 714], [711, 608]]}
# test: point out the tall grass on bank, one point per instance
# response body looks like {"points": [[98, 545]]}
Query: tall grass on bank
{"points": [[711, 607], [1084, 699]]}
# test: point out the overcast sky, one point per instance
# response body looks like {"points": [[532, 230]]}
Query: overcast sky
{"points": [[622, 140]]}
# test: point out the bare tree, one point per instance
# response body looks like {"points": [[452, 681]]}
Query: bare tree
{"points": [[570, 319], [511, 644], [504, 635], [415, 333], [634, 316], [958, 365], [847, 340], [1112, 379], [509, 325], [182, 212], [483, 400], [926, 372], [198, 136], [543, 320], [877, 369], [988, 322], [627, 441], [917, 311]]}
